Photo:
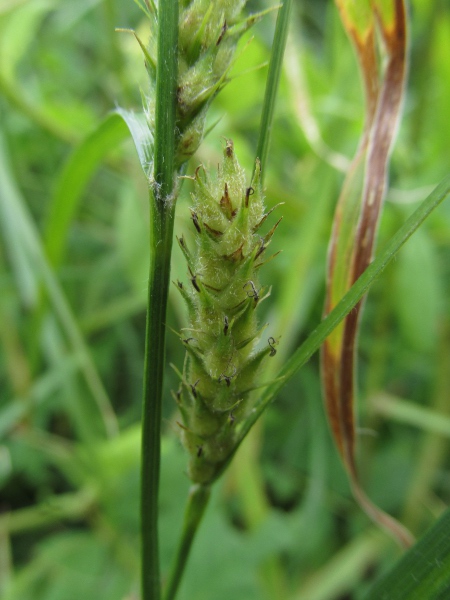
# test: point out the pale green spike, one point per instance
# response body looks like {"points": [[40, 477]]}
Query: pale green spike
{"points": [[222, 363]]}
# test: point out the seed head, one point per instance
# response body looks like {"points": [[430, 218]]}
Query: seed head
{"points": [[208, 34], [222, 364]]}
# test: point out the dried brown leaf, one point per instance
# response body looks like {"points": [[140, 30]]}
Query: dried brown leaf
{"points": [[357, 217]]}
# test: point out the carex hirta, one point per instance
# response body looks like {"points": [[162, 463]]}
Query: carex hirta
{"points": [[224, 349]]}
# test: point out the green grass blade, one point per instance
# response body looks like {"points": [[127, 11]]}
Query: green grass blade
{"points": [[423, 572], [54, 510], [15, 96], [345, 570], [40, 392], [273, 78], [351, 298], [73, 180], [20, 23], [14, 214], [408, 413]]}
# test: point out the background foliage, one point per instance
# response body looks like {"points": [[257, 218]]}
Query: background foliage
{"points": [[73, 260]]}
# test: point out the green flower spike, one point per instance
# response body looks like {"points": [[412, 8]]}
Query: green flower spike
{"points": [[222, 364], [208, 34]]}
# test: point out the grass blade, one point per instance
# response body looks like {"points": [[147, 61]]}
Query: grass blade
{"points": [[349, 300], [73, 180], [13, 210], [273, 78], [423, 572]]}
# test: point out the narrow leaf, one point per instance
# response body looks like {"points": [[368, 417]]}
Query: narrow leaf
{"points": [[347, 302], [273, 78], [13, 209], [73, 180], [423, 572]]}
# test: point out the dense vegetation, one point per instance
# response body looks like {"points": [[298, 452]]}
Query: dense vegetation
{"points": [[74, 262]]}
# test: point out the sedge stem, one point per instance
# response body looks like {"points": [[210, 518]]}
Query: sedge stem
{"points": [[197, 503], [162, 210]]}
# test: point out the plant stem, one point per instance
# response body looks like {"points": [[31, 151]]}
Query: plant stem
{"points": [[162, 223], [197, 502], [162, 210]]}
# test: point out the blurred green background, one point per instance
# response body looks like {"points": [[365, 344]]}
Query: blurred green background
{"points": [[73, 267]]}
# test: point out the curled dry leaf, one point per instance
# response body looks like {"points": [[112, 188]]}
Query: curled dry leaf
{"points": [[357, 216]]}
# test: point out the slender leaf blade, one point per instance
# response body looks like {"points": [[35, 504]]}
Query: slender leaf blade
{"points": [[13, 207], [304, 352], [73, 180], [423, 571], [273, 79]]}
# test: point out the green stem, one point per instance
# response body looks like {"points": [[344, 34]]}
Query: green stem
{"points": [[197, 503], [162, 229], [162, 210], [273, 79]]}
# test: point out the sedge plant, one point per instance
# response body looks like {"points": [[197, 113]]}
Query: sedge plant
{"points": [[233, 366], [188, 60]]}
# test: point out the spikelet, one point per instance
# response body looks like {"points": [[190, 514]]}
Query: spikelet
{"points": [[222, 365], [208, 34], [207, 40]]}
